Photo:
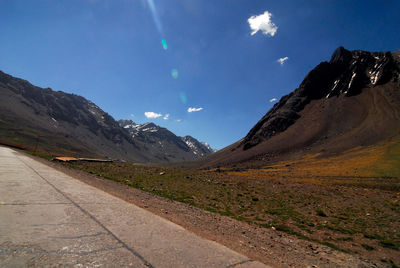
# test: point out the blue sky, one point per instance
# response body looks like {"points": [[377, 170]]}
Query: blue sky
{"points": [[111, 52]]}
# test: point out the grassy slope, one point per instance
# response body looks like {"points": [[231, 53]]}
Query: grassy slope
{"points": [[370, 167]]}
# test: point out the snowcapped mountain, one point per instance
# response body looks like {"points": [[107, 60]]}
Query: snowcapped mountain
{"points": [[208, 146], [164, 144], [198, 148]]}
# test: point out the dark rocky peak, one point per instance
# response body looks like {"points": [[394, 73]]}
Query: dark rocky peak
{"points": [[341, 55], [347, 73], [360, 69]]}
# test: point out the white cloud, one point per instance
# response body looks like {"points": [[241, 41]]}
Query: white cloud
{"points": [[192, 109], [262, 23], [273, 100], [152, 115], [132, 115], [166, 117], [178, 120], [282, 60]]}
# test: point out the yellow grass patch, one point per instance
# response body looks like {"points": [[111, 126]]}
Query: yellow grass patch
{"points": [[361, 165]]}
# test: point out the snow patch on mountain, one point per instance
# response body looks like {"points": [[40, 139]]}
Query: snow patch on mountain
{"points": [[166, 143]]}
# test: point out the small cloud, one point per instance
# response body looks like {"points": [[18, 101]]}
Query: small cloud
{"points": [[132, 115], [166, 117], [191, 109], [273, 100], [262, 23], [178, 120], [152, 115], [282, 60]]}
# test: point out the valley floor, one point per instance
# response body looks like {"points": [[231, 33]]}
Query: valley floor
{"points": [[328, 212]]}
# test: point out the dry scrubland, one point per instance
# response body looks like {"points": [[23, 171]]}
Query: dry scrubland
{"points": [[350, 202]]}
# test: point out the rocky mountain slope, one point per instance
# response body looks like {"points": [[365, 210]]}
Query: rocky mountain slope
{"points": [[164, 144], [54, 121], [199, 148], [352, 100]]}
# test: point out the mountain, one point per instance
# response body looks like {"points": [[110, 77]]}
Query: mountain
{"points": [[46, 120], [199, 148], [352, 100], [62, 123], [163, 143]]}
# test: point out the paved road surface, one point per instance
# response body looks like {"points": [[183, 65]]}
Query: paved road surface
{"points": [[48, 218]]}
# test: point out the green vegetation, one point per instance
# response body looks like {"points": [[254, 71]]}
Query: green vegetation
{"points": [[344, 238], [321, 214], [390, 244], [356, 213], [42, 155]]}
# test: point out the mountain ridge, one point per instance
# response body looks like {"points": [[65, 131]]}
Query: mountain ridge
{"points": [[164, 143], [64, 123], [336, 102], [333, 74]]}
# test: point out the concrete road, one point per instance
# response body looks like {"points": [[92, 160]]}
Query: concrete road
{"points": [[49, 219]]}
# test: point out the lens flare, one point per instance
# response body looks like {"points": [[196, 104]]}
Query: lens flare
{"points": [[164, 44], [174, 73], [183, 97]]}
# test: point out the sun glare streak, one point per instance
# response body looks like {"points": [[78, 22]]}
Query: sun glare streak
{"points": [[156, 18]]}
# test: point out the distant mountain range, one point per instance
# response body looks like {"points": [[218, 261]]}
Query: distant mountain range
{"points": [[57, 122], [352, 100], [165, 144]]}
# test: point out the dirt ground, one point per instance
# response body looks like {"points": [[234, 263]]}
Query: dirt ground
{"points": [[267, 245]]}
